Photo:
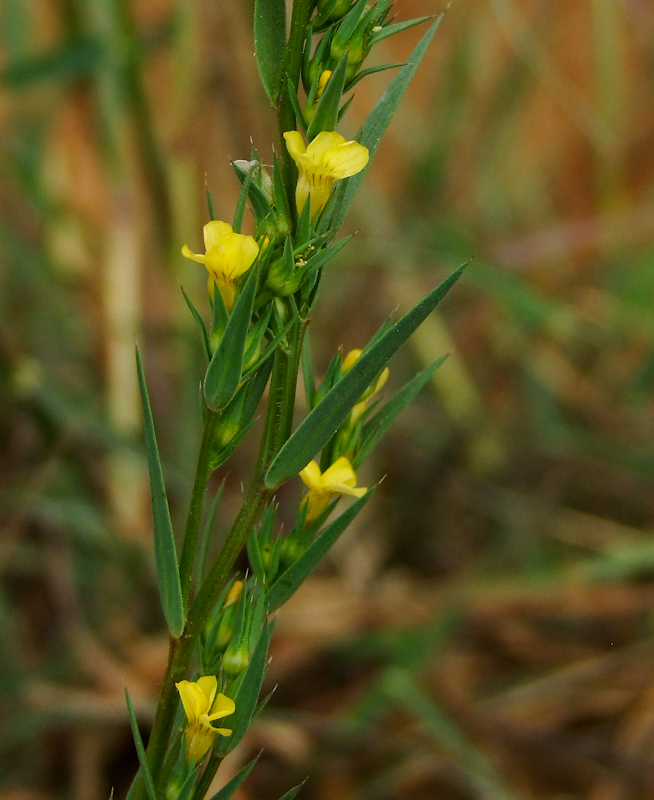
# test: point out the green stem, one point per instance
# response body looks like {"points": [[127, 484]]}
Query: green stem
{"points": [[207, 776], [194, 518]]}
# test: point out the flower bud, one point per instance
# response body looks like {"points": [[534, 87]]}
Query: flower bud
{"points": [[339, 10], [236, 659]]}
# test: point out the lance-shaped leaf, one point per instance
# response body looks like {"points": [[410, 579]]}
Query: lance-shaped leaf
{"points": [[308, 375], [227, 792], [375, 428], [247, 693], [398, 27], [321, 423], [292, 792], [374, 127], [170, 590], [226, 367], [140, 750], [198, 319], [290, 580], [269, 42], [326, 113]]}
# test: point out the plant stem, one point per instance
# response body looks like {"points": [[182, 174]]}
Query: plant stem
{"points": [[207, 776], [202, 474]]}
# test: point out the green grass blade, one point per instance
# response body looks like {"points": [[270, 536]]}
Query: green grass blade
{"points": [[321, 423], [398, 27], [170, 590], [138, 741], [378, 120], [377, 426], [308, 375], [205, 536], [292, 792], [291, 580], [269, 43], [226, 367]]}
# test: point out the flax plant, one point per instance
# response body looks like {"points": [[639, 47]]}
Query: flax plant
{"points": [[261, 292]]}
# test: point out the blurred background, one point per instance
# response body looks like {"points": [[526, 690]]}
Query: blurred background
{"points": [[486, 629]]}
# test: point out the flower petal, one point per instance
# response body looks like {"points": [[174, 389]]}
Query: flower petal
{"points": [[223, 706], [191, 700], [346, 159], [343, 488], [207, 684], [215, 232], [323, 142], [295, 144], [312, 477], [340, 472], [200, 258]]}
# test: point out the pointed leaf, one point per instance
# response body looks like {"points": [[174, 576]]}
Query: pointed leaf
{"points": [[170, 590], [203, 544], [226, 367], [326, 113], [308, 375], [375, 125], [376, 427], [200, 324], [269, 42], [290, 581], [299, 116], [138, 741], [260, 205], [227, 792], [239, 211], [292, 792], [212, 213], [398, 27], [318, 427], [371, 71]]}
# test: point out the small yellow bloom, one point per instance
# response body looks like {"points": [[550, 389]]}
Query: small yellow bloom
{"points": [[234, 594], [328, 158], [228, 255], [340, 478], [202, 707]]}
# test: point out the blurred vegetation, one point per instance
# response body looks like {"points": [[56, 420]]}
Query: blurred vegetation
{"points": [[487, 629]]}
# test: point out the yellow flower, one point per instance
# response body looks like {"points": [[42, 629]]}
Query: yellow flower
{"points": [[228, 255], [328, 158], [375, 386], [340, 478], [202, 707], [322, 82]]}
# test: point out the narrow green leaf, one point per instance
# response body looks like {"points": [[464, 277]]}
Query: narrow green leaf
{"points": [[138, 741], [321, 423], [170, 590], [256, 386], [343, 109], [303, 232], [212, 213], [371, 71], [269, 42], [321, 258], [308, 375], [348, 25], [239, 211], [279, 191], [200, 323], [226, 367], [292, 792], [375, 125], [398, 27], [248, 692], [290, 581], [376, 426], [219, 316], [231, 786], [205, 535], [299, 116], [326, 112]]}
